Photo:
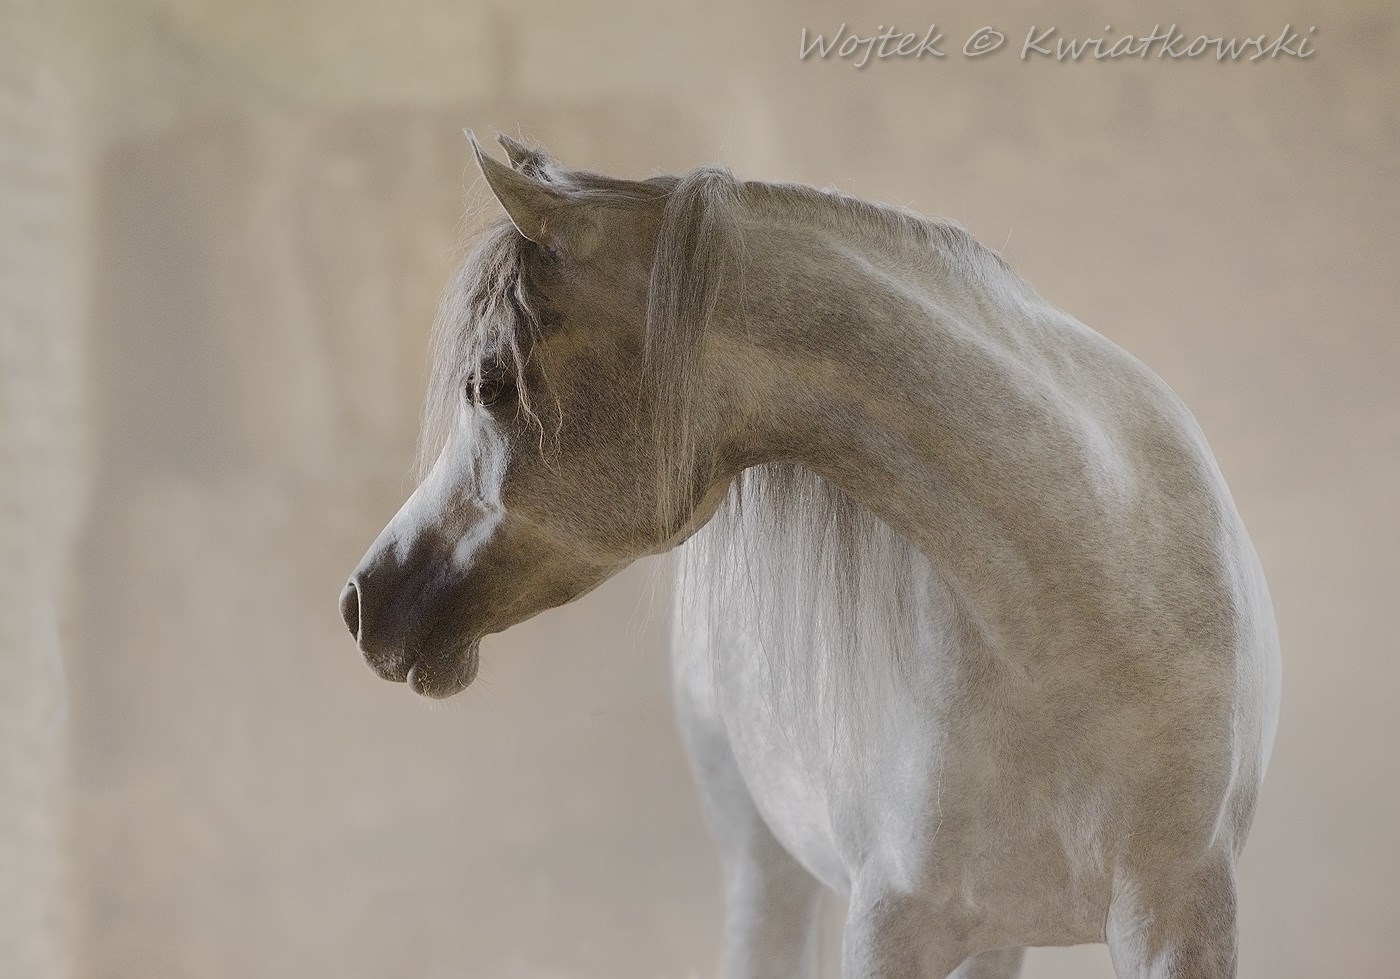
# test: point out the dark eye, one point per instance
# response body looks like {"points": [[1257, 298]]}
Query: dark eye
{"points": [[490, 387]]}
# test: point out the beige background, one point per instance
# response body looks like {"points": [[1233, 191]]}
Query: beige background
{"points": [[224, 226]]}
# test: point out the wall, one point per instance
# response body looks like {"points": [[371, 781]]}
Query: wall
{"points": [[43, 275], [270, 196]]}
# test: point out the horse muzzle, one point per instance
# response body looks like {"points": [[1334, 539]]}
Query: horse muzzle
{"points": [[434, 663]]}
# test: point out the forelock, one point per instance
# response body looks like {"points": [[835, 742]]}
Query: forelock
{"points": [[487, 312]]}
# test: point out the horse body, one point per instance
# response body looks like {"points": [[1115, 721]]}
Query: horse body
{"points": [[1086, 710], [968, 628]]}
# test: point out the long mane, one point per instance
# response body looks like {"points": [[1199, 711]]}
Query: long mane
{"points": [[829, 599]]}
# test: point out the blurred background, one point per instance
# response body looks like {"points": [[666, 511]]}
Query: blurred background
{"points": [[223, 228]]}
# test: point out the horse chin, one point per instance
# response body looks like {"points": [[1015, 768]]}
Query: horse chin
{"points": [[448, 673]]}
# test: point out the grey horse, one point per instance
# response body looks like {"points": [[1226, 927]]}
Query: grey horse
{"points": [[968, 628]]}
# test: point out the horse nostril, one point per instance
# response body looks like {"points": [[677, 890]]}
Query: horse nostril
{"points": [[350, 609]]}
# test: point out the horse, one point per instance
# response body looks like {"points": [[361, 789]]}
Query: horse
{"points": [[968, 628]]}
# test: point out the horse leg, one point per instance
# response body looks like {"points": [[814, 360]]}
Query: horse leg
{"points": [[1002, 964], [890, 935], [772, 905], [772, 914], [1182, 928]]}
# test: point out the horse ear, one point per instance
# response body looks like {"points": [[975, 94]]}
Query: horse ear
{"points": [[538, 211], [533, 161]]}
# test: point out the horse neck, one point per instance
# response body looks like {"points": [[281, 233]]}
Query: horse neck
{"points": [[898, 363]]}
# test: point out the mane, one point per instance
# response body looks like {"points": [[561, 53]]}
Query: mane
{"points": [[485, 311], [830, 601], [488, 309]]}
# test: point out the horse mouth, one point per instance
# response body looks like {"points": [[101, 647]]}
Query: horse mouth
{"points": [[448, 673]]}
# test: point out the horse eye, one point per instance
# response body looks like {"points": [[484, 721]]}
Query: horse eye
{"points": [[488, 388]]}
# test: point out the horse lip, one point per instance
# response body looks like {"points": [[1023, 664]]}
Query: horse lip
{"points": [[446, 674], [391, 668]]}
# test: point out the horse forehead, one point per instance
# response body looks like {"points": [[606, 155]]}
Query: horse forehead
{"points": [[614, 286]]}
